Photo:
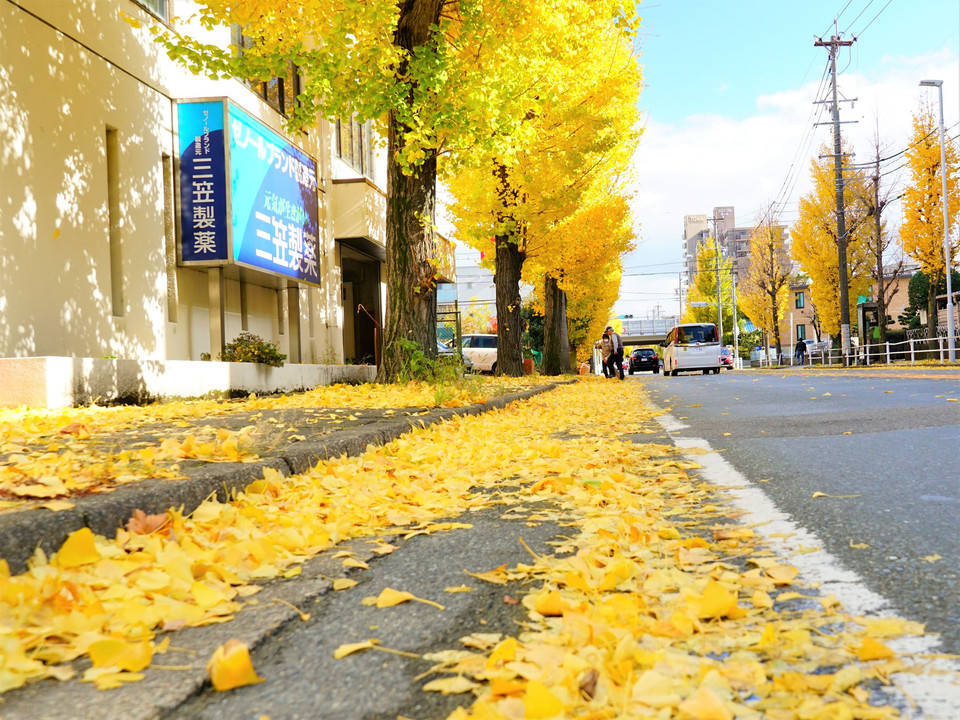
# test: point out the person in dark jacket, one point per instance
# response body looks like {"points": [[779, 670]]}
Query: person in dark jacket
{"points": [[800, 351]]}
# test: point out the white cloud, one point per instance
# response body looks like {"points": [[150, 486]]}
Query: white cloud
{"points": [[708, 160]]}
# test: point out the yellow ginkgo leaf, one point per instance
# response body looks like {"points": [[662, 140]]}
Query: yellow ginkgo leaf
{"points": [[120, 654], [230, 667], [451, 685], [389, 597], [109, 678], [550, 604], [718, 601], [78, 549], [539, 702], [872, 649], [350, 648], [343, 583], [705, 705]]}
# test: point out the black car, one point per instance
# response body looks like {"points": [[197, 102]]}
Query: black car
{"points": [[643, 359]]}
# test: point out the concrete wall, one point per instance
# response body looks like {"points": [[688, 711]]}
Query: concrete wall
{"points": [[50, 382], [81, 86]]}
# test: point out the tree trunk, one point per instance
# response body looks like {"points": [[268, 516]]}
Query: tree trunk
{"points": [[554, 336], [565, 349], [506, 279], [411, 201], [932, 312], [775, 316]]}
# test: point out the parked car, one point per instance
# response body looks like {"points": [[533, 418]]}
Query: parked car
{"points": [[692, 347], [643, 359], [482, 351], [726, 358], [445, 351]]}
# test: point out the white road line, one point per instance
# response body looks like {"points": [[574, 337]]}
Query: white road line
{"points": [[931, 695]]}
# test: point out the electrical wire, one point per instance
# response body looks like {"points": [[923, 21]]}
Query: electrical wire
{"points": [[874, 18], [858, 16], [837, 18]]}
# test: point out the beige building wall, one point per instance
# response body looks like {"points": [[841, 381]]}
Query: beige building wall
{"points": [[87, 185]]}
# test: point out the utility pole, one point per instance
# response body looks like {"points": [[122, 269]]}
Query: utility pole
{"points": [[834, 45], [733, 302], [716, 239]]}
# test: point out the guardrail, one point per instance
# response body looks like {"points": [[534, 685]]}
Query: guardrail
{"points": [[912, 350]]}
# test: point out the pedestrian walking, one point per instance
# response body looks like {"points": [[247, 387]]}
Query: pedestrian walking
{"points": [[606, 352], [800, 351], [615, 360]]}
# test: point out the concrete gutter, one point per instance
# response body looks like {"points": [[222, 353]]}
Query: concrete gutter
{"points": [[23, 533]]}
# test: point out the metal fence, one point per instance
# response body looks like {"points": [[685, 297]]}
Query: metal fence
{"points": [[911, 351]]}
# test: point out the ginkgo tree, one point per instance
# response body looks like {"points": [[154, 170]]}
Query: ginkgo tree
{"points": [[439, 75], [704, 289], [814, 239], [922, 231], [579, 279], [576, 146], [763, 294]]}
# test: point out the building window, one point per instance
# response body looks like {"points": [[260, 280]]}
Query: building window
{"points": [[160, 8], [801, 332], [799, 304], [280, 93], [354, 145]]}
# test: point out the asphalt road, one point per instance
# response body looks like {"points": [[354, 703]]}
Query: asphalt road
{"points": [[885, 445]]}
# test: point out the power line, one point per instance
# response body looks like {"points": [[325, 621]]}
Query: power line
{"points": [[858, 16], [874, 17]]}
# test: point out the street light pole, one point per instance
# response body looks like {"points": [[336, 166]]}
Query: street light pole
{"points": [[951, 331]]}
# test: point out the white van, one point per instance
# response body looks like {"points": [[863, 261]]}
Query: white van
{"points": [[482, 351], [691, 347]]}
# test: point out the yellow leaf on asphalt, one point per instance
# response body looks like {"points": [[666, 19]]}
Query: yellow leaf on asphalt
{"points": [[539, 703], [705, 705], [871, 649], [230, 667], [352, 562], [389, 597], [343, 583], [109, 678], [451, 685], [57, 505], [459, 589], [350, 648], [78, 549], [121, 654]]}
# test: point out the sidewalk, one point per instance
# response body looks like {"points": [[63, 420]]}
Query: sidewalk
{"points": [[289, 441]]}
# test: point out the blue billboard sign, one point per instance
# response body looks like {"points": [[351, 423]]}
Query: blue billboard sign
{"points": [[203, 188], [274, 201], [271, 196]]}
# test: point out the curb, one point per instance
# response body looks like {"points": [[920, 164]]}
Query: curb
{"points": [[23, 533]]}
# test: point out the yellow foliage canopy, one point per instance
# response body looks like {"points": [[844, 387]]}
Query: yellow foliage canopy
{"points": [[815, 234], [922, 228]]}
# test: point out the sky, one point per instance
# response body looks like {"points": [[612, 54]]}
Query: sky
{"points": [[729, 110]]}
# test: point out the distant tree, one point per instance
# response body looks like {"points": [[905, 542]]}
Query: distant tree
{"points": [[922, 228], [918, 294], [876, 198], [764, 293], [815, 240], [704, 289]]}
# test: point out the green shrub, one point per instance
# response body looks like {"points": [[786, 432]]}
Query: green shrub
{"points": [[251, 348]]}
